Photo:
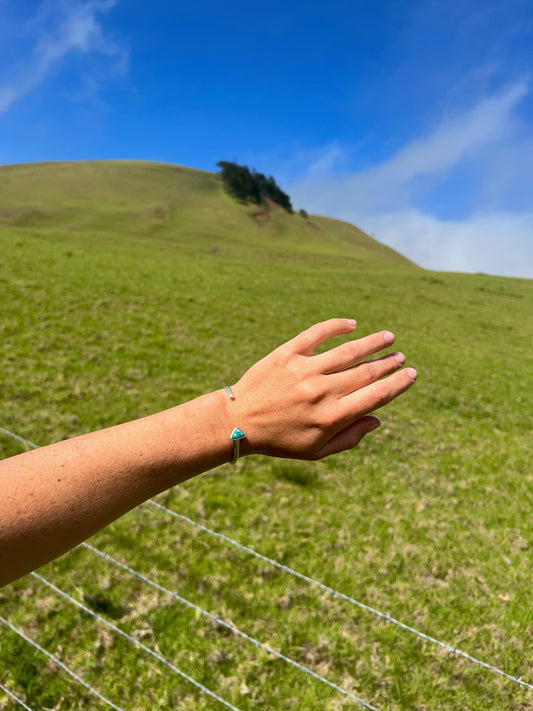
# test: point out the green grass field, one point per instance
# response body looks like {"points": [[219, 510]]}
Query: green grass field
{"points": [[129, 287]]}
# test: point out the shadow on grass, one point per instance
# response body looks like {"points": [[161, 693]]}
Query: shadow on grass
{"points": [[298, 473]]}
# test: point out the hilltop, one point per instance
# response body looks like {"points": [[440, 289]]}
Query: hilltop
{"points": [[125, 199]]}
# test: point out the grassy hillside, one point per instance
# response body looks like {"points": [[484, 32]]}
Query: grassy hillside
{"points": [[134, 199], [129, 287]]}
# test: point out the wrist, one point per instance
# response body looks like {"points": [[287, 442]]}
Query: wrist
{"points": [[234, 425]]}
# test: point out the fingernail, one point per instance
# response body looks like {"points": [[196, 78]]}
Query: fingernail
{"points": [[411, 372], [388, 337], [400, 358], [374, 425], [352, 322]]}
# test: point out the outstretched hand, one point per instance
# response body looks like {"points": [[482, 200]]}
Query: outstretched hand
{"points": [[294, 403]]}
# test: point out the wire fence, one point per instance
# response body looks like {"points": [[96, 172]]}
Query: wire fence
{"points": [[231, 628], [335, 593], [218, 620]]}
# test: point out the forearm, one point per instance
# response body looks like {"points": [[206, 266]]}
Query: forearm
{"points": [[57, 496], [292, 403]]}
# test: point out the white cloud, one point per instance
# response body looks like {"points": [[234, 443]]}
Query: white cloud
{"points": [[493, 243], [385, 199], [61, 29]]}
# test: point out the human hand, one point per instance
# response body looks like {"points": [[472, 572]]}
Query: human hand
{"points": [[296, 404]]}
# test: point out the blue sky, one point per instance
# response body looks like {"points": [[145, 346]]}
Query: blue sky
{"points": [[412, 119]]}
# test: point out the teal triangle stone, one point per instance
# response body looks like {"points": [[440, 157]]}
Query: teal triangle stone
{"points": [[237, 434]]}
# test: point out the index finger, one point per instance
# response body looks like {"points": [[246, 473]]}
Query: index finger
{"points": [[353, 352], [307, 341]]}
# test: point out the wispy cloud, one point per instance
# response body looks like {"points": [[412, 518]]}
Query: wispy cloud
{"points": [[388, 199], [60, 29]]}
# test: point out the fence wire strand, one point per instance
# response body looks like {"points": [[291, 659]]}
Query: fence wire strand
{"points": [[15, 698], [23, 441]]}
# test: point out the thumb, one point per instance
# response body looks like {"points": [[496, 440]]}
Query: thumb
{"points": [[349, 437]]}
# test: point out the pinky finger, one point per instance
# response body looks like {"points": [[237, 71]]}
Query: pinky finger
{"points": [[349, 437]]}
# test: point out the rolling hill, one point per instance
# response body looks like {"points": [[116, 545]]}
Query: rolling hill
{"points": [[121, 199]]}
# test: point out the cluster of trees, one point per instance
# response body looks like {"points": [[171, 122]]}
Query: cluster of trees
{"points": [[247, 184]]}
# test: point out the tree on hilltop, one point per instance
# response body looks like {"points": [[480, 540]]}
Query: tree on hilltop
{"points": [[249, 185]]}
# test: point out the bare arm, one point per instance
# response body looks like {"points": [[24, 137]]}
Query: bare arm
{"points": [[292, 403]]}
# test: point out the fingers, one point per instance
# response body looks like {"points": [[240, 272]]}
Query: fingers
{"points": [[353, 352], [349, 437], [363, 374], [377, 394], [307, 341]]}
